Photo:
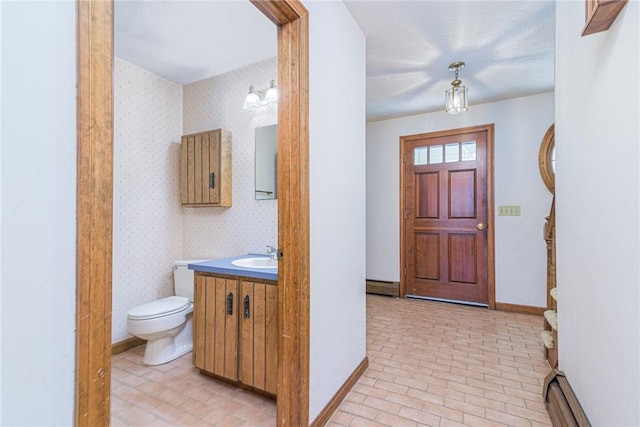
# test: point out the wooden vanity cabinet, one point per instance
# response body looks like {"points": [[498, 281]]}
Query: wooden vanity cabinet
{"points": [[215, 326], [235, 330], [258, 355], [205, 169]]}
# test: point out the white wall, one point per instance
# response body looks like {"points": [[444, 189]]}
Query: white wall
{"points": [[249, 225], [337, 199], [520, 125], [597, 189], [147, 217], [38, 212]]}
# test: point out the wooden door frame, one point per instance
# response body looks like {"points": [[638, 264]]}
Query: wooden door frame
{"points": [[404, 140], [94, 213]]}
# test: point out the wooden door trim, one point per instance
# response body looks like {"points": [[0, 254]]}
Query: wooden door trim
{"points": [[293, 208], [94, 210], [404, 140]]}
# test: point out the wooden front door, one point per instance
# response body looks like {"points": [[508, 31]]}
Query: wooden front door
{"points": [[445, 189]]}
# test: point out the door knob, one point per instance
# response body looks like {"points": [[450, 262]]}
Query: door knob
{"points": [[480, 226]]}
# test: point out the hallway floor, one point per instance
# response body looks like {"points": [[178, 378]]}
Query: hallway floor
{"points": [[430, 364]]}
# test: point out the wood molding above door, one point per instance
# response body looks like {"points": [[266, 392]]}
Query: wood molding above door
{"points": [[94, 210], [438, 207]]}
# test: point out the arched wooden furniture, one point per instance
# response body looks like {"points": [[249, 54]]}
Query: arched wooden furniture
{"points": [[546, 162]]}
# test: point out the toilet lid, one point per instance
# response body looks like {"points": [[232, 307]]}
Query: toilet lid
{"points": [[161, 307]]}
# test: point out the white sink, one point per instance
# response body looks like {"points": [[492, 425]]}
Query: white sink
{"points": [[257, 262]]}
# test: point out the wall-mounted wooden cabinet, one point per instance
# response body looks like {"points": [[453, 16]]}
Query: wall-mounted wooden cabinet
{"points": [[235, 330], [205, 169]]}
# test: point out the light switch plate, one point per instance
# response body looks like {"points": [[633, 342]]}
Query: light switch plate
{"points": [[509, 210]]}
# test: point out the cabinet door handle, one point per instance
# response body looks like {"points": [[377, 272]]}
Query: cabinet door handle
{"points": [[212, 180], [246, 307], [230, 303]]}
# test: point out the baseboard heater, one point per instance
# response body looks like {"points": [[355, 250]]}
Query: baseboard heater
{"points": [[383, 288], [562, 403]]}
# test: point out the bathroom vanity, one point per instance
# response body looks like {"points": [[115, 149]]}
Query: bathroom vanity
{"points": [[235, 323]]}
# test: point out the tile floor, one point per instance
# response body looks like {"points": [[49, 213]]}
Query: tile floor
{"points": [[175, 394], [430, 364]]}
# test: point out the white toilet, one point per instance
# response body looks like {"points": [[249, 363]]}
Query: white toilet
{"points": [[166, 324]]}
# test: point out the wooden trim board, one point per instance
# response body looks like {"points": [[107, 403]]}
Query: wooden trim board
{"points": [[336, 400], [522, 309], [124, 345], [561, 402], [293, 208], [94, 210], [383, 288]]}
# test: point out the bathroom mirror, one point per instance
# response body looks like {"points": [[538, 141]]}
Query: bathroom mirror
{"points": [[266, 162]]}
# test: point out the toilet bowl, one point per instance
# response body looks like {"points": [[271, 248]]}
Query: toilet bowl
{"points": [[166, 324]]}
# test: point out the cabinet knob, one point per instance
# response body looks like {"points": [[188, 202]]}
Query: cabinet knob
{"points": [[212, 180]]}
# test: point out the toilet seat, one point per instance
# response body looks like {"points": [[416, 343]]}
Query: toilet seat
{"points": [[159, 308]]}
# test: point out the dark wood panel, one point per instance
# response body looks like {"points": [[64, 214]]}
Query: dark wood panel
{"points": [[215, 160], [259, 316], [191, 179], [427, 195], [246, 352], [427, 263], [462, 194], [197, 171], [462, 258], [184, 171], [271, 337], [204, 169], [231, 332], [199, 321], [218, 325]]}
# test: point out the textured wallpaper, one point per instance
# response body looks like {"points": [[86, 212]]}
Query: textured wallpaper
{"points": [[151, 229], [147, 217], [249, 225]]}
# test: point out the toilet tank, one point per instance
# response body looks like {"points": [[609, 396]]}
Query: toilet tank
{"points": [[183, 278]]}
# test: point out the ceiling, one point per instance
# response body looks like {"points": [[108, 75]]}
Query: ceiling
{"points": [[508, 46], [187, 41]]}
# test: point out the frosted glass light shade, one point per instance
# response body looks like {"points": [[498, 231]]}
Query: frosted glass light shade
{"points": [[252, 100], [271, 97], [457, 100]]}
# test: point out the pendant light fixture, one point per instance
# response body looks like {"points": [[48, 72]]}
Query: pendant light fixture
{"points": [[456, 100]]}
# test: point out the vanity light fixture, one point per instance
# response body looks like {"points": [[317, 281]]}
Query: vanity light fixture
{"points": [[261, 98], [456, 100]]}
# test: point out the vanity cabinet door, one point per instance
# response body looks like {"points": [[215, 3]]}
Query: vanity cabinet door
{"points": [[205, 169], [258, 351], [215, 326]]}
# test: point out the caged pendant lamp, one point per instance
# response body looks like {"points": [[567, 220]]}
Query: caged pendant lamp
{"points": [[456, 97]]}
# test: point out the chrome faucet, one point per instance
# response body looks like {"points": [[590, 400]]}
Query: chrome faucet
{"points": [[272, 252]]}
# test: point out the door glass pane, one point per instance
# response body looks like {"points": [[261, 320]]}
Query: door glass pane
{"points": [[420, 156], [435, 154], [468, 151], [452, 153]]}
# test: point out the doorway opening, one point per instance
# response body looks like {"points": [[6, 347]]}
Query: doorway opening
{"points": [[95, 216], [446, 216]]}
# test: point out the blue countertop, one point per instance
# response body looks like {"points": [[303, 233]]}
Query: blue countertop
{"points": [[224, 266]]}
